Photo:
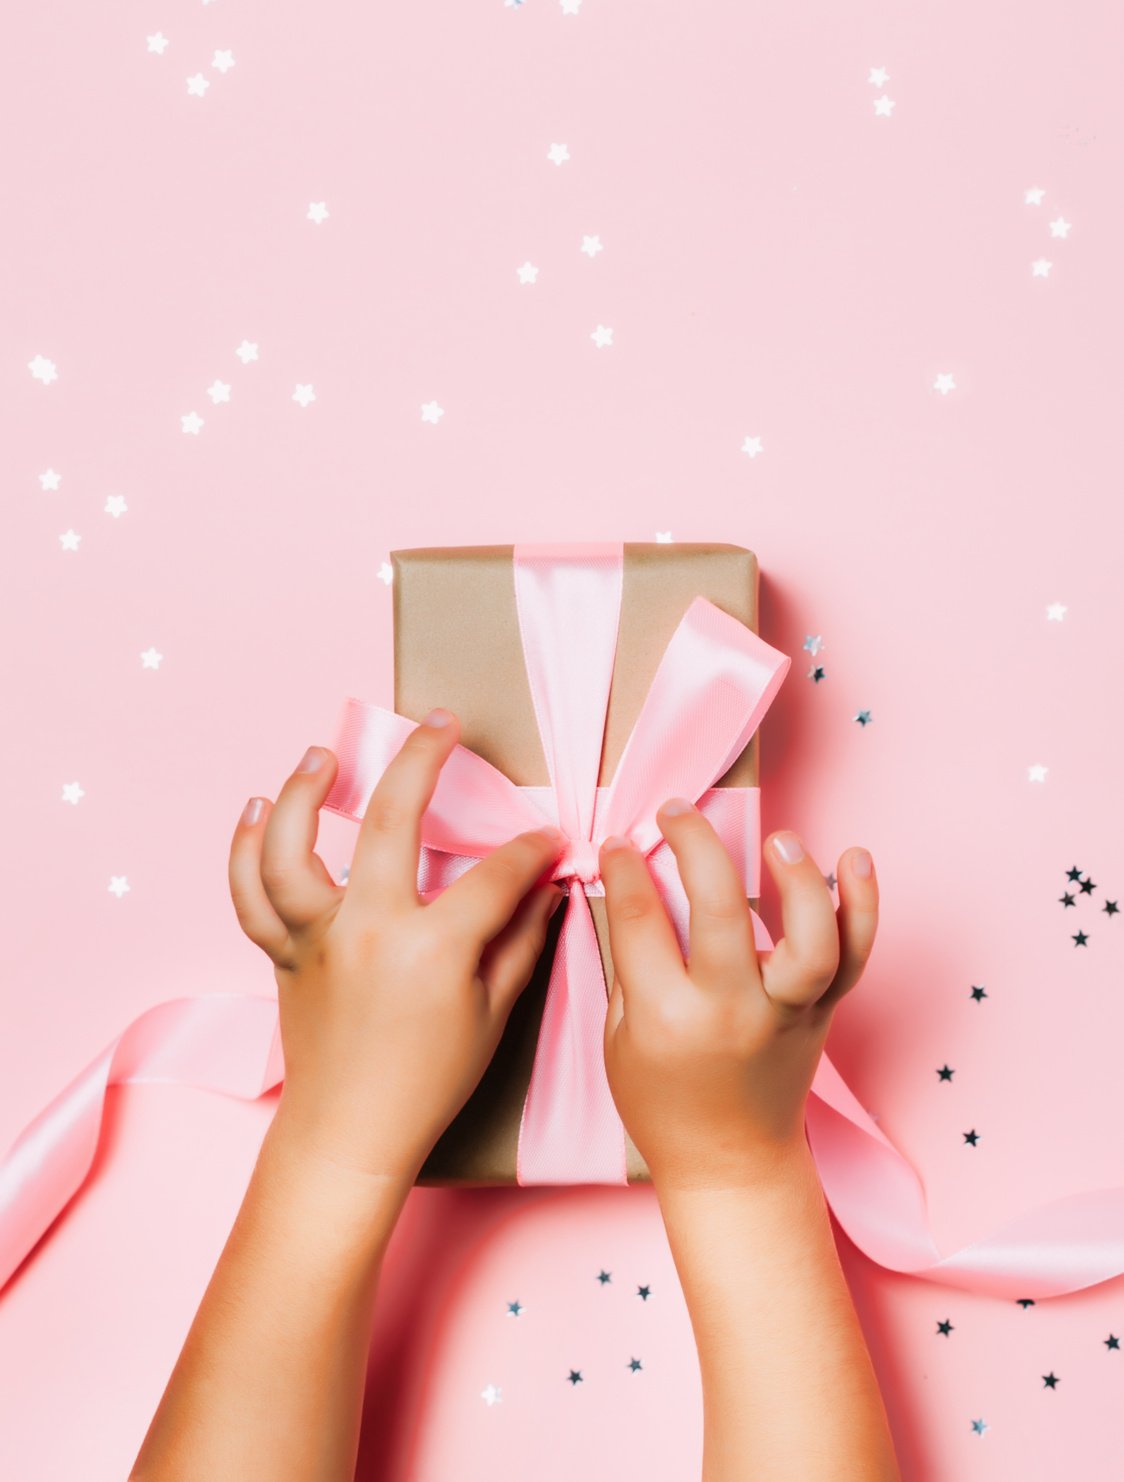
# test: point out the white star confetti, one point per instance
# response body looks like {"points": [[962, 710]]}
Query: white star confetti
{"points": [[944, 383], [192, 423], [50, 479], [492, 1394], [1040, 267], [317, 212], [247, 351], [197, 85], [663, 537], [70, 540], [386, 573], [119, 885], [527, 273], [1055, 612], [71, 792], [304, 394], [222, 61], [115, 505], [431, 412], [557, 154], [878, 76], [602, 336], [591, 246], [1034, 196], [1059, 227], [43, 369], [157, 43], [151, 659], [1036, 773], [753, 446], [219, 391], [883, 106], [813, 643]]}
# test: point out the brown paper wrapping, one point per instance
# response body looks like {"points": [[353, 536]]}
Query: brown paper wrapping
{"points": [[457, 644]]}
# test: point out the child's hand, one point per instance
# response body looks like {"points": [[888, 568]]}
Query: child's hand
{"points": [[710, 1062], [390, 1008]]}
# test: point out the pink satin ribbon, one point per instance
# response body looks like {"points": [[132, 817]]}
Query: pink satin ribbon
{"points": [[714, 683]]}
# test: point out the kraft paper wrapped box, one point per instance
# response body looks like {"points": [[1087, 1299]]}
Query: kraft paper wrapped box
{"points": [[457, 644]]}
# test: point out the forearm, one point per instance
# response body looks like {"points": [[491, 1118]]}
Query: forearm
{"points": [[270, 1381], [789, 1390]]}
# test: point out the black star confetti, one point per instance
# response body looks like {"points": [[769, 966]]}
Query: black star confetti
{"points": [[863, 717], [973, 1137], [1067, 899], [1111, 1342], [603, 1277], [978, 993], [1025, 1302], [643, 1291], [946, 1074], [634, 1365], [1073, 874], [514, 1309], [817, 673], [979, 1427], [1111, 907], [1087, 886], [1050, 1380], [830, 878], [944, 1327], [1080, 939], [575, 1376]]}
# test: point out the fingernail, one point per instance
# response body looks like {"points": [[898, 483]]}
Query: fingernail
{"points": [[674, 806], [252, 811], [616, 841], [438, 717], [788, 846], [311, 760], [860, 863]]}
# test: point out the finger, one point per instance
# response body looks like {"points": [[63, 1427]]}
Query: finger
{"points": [[480, 902], [614, 1011], [857, 922], [800, 967], [642, 940], [510, 957], [252, 906], [295, 879], [384, 867], [720, 950]]}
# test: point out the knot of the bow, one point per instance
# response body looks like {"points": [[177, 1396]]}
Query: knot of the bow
{"points": [[579, 861]]}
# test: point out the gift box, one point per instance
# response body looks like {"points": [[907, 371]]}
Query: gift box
{"points": [[607, 613]]}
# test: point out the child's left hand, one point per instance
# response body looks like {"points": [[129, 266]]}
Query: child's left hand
{"points": [[390, 1008]]}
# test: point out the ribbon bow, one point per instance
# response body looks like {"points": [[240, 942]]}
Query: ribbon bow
{"points": [[714, 682]]}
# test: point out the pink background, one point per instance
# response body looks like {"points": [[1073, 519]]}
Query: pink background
{"points": [[781, 260]]}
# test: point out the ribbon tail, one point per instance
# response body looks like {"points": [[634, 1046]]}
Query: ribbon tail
{"points": [[878, 1199], [218, 1042], [570, 1131]]}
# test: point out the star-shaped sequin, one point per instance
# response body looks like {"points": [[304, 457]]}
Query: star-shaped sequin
{"points": [[945, 1074], [1111, 907], [863, 717], [972, 1137], [944, 1327], [1112, 1342], [978, 993], [1080, 938], [1050, 1380], [514, 1309], [603, 1277], [643, 1291], [575, 1376], [818, 673], [635, 1365]]}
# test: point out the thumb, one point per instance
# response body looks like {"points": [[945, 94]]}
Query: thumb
{"points": [[509, 958]]}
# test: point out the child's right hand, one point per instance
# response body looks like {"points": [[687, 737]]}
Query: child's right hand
{"points": [[710, 1061]]}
